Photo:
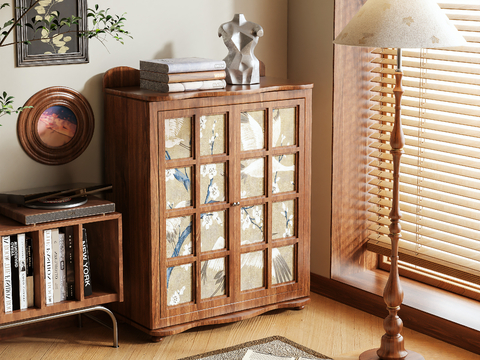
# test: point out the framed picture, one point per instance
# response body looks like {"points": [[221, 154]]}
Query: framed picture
{"points": [[45, 48], [58, 127]]}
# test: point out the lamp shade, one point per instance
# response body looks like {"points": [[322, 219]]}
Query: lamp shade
{"points": [[400, 24]]}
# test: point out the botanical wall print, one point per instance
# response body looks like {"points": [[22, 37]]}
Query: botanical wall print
{"points": [[283, 173], [283, 219], [178, 138], [284, 123], [283, 260], [50, 46], [252, 270], [212, 233], [252, 130], [212, 134], [252, 223], [179, 284], [252, 181], [179, 236], [178, 187], [213, 278], [212, 183]]}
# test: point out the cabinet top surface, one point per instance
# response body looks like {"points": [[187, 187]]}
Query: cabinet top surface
{"points": [[124, 81]]}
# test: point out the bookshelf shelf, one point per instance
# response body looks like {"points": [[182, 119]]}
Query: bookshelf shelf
{"points": [[106, 261]]}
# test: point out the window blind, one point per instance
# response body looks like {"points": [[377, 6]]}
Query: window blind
{"points": [[440, 170]]}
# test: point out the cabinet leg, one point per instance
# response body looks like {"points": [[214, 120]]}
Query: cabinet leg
{"points": [[157, 338]]}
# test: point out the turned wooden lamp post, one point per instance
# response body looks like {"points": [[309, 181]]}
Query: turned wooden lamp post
{"points": [[397, 24]]}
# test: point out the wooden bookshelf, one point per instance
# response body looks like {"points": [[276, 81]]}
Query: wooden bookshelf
{"points": [[106, 260]]}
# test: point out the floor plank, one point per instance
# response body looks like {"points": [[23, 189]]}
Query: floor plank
{"points": [[324, 325]]}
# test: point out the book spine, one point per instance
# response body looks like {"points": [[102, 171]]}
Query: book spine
{"points": [[183, 86], [15, 272], [62, 269], [7, 274], [169, 66], [87, 285], [30, 282], [183, 77], [22, 271], [69, 259], [48, 266], [56, 265]]}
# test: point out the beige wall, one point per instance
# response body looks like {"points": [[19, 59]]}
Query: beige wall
{"points": [[310, 58], [177, 29]]}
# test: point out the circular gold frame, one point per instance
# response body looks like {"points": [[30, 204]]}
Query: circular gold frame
{"points": [[27, 126]]}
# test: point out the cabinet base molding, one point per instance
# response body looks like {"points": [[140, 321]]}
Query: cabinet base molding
{"points": [[159, 334]]}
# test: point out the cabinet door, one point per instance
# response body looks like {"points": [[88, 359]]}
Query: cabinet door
{"points": [[270, 178], [194, 211]]}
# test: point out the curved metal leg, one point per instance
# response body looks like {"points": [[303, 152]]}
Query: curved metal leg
{"points": [[73, 312]]}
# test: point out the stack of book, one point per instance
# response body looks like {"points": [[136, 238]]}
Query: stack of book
{"points": [[182, 74], [59, 261]]}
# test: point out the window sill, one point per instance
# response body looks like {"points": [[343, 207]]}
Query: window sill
{"points": [[434, 312]]}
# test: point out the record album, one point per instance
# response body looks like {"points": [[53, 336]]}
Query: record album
{"points": [[57, 202]]}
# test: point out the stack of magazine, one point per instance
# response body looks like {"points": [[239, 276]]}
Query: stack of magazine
{"points": [[182, 74]]}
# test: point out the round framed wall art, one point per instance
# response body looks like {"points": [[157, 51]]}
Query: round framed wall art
{"points": [[58, 127]]}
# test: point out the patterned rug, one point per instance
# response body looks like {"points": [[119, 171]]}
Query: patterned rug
{"points": [[275, 345]]}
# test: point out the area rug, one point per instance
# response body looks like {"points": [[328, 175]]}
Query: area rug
{"points": [[275, 345]]}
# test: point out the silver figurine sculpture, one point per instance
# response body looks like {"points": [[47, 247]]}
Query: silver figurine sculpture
{"points": [[240, 37]]}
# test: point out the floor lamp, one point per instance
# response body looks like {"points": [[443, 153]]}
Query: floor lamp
{"points": [[397, 24]]}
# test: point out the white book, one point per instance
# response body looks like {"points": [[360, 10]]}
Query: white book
{"points": [[7, 274], [63, 270], [47, 238], [22, 271], [180, 65], [56, 265]]}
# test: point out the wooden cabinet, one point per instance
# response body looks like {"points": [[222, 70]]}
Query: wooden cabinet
{"points": [[105, 250], [214, 188]]}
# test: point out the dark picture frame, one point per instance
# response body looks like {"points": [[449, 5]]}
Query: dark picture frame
{"points": [[38, 52], [59, 126]]}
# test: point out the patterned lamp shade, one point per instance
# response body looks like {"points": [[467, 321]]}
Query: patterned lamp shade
{"points": [[400, 24]]}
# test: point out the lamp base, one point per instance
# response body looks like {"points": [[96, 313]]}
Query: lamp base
{"points": [[372, 355]]}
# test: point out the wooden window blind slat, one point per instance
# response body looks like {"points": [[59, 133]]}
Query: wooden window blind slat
{"points": [[458, 79]]}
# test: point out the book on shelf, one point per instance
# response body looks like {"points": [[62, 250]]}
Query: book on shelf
{"points": [[69, 262], [29, 273], [183, 77], [28, 216], [182, 86], [47, 239], [7, 274], [87, 285], [56, 264], [181, 65], [22, 271], [14, 272], [62, 269]]}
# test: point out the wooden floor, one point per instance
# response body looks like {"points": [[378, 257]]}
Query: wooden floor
{"points": [[324, 325]]}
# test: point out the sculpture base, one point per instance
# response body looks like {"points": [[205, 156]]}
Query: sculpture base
{"points": [[372, 355]]}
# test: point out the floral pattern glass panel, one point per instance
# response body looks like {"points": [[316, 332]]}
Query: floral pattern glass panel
{"points": [[252, 130], [179, 284], [284, 127], [178, 187], [283, 173], [251, 219], [283, 219], [252, 177], [212, 183], [252, 270], [179, 236], [178, 138], [213, 278], [282, 264], [213, 231], [212, 134]]}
